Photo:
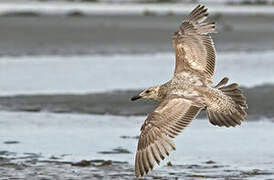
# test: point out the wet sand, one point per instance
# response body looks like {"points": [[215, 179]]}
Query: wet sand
{"points": [[66, 35], [32, 168], [65, 146], [260, 100]]}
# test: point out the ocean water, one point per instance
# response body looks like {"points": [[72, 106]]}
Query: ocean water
{"points": [[99, 73], [82, 137]]}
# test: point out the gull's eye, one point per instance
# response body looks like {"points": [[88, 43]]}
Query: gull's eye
{"points": [[147, 91]]}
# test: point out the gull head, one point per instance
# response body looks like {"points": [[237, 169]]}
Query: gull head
{"points": [[149, 93]]}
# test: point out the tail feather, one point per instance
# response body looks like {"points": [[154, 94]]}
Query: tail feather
{"points": [[234, 111], [235, 93], [222, 82], [230, 88], [222, 119]]}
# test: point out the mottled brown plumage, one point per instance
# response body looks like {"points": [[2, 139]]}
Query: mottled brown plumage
{"points": [[193, 45], [187, 93]]}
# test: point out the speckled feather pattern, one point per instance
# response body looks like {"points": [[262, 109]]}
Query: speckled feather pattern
{"points": [[187, 93]]}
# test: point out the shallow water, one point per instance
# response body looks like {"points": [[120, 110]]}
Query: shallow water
{"points": [[72, 137], [97, 73]]}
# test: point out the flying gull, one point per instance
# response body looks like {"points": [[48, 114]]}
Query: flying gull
{"points": [[187, 93]]}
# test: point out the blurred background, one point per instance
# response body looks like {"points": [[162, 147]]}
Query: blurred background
{"points": [[69, 67]]}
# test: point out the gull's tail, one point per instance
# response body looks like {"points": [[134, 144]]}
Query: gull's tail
{"points": [[228, 105]]}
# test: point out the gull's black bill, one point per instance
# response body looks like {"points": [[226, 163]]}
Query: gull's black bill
{"points": [[135, 98]]}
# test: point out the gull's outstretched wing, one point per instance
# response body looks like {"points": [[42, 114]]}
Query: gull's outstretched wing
{"points": [[163, 124], [193, 46]]}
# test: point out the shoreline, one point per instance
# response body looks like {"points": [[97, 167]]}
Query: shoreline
{"points": [[260, 100]]}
